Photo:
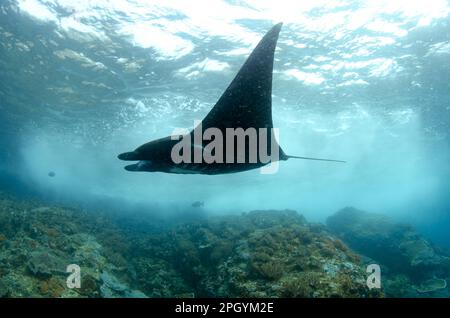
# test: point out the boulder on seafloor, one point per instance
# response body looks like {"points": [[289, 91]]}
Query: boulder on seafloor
{"points": [[432, 285], [111, 288], [397, 246], [45, 263]]}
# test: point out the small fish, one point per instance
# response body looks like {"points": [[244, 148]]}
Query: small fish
{"points": [[198, 204], [51, 174]]}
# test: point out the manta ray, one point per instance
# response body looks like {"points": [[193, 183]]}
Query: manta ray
{"points": [[246, 103]]}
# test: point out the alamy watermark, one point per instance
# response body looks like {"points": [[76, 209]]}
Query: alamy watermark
{"points": [[374, 279], [74, 279], [237, 146]]}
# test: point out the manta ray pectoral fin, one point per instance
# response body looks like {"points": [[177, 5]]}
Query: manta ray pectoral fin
{"points": [[247, 102], [309, 158]]}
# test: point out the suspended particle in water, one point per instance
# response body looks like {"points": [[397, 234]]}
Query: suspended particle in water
{"points": [[51, 174]]}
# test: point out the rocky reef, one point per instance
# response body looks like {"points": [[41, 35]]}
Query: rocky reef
{"points": [[37, 243], [413, 266], [255, 254]]}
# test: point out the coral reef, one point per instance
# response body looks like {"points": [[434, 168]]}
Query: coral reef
{"points": [[39, 242], [406, 257], [255, 254]]}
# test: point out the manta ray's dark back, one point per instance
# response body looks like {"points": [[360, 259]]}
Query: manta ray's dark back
{"points": [[247, 102]]}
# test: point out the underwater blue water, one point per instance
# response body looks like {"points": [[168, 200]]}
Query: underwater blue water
{"points": [[362, 81]]}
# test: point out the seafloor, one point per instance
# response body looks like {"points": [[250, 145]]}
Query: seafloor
{"points": [[255, 254]]}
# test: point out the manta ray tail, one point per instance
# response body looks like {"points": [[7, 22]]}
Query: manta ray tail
{"points": [[308, 158]]}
